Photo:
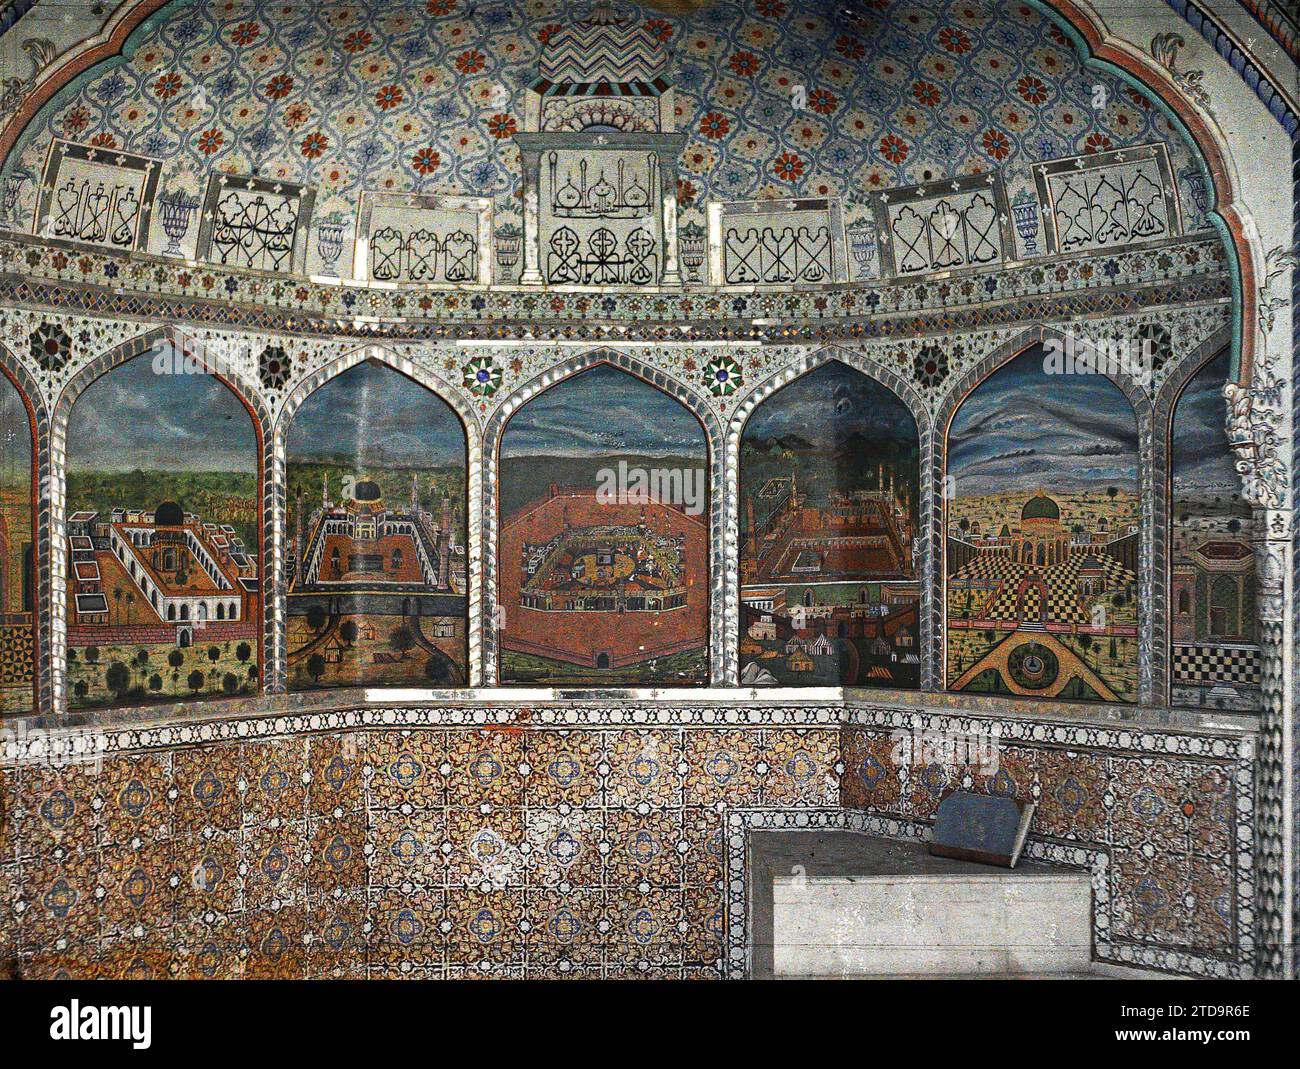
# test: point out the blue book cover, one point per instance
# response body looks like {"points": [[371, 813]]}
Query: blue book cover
{"points": [[979, 827]]}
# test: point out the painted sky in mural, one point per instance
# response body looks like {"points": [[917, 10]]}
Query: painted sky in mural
{"points": [[375, 416], [1024, 428], [136, 418]]}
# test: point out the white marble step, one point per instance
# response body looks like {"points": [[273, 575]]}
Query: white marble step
{"points": [[844, 904]]}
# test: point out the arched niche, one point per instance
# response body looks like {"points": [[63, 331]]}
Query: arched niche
{"points": [[829, 514], [604, 531], [376, 568], [1042, 536], [1214, 655], [19, 554], [163, 526]]}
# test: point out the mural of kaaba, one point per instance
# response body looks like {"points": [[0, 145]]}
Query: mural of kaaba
{"points": [[17, 554], [163, 539], [376, 571], [604, 536], [1215, 653], [829, 593], [1042, 537]]}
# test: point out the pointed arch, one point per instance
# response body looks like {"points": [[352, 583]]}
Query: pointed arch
{"points": [[246, 394], [1150, 610], [863, 363], [672, 388], [38, 572], [418, 373], [1185, 577]]}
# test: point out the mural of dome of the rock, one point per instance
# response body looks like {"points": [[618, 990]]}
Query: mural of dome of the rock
{"points": [[628, 489], [1042, 536], [829, 586], [377, 570]]}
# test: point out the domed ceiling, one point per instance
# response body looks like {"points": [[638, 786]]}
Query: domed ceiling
{"points": [[778, 97]]}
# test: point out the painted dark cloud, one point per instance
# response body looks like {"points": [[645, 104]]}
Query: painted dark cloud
{"points": [[1199, 447], [604, 412], [133, 418], [373, 416], [1023, 429], [828, 406]]}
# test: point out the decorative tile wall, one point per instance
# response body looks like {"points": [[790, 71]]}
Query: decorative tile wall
{"points": [[564, 841]]}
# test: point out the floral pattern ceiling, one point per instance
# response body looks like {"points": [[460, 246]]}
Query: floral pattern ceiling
{"points": [[778, 97]]}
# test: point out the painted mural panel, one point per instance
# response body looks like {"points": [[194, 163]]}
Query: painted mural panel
{"points": [[1215, 653], [376, 569], [829, 591], [604, 537], [163, 539], [1042, 537], [18, 580]]}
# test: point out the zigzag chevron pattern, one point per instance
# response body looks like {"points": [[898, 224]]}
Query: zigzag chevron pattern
{"points": [[595, 52]]}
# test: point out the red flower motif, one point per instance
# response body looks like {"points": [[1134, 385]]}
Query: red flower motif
{"points": [[211, 140], [245, 33], [823, 101], [76, 120], [297, 115], [850, 47], [926, 93], [104, 140], [357, 41], [426, 161], [744, 64], [686, 192], [548, 31], [471, 61], [1098, 143], [788, 167], [314, 145], [501, 126], [771, 9], [954, 40], [168, 85], [279, 87], [1031, 89], [996, 144], [388, 97], [715, 125], [660, 29], [894, 148], [440, 7]]}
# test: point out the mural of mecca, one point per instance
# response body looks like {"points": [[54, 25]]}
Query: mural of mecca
{"points": [[1042, 537], [1215, 655], [376, 570], [163, 538], [17, 554], [604, 537], [829, 591]]}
